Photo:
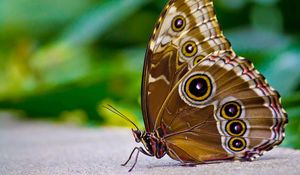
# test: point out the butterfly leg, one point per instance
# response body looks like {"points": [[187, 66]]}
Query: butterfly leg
{"points": [[140, 149], [183, 163], [135, 161], [178, 158], [124, 164]]}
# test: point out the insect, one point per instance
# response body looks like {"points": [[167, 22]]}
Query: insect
{"points": [[200, 101]]}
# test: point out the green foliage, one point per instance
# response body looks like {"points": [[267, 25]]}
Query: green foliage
{"points": [[61, 60]]}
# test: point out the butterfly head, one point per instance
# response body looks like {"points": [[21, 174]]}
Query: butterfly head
{"points": [[137, 134]]}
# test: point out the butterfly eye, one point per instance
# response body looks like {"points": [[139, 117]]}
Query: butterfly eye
{"points": [[236, 128], [231, 110], [198, 87], [189, 49], [237, 144], [178, 23]]}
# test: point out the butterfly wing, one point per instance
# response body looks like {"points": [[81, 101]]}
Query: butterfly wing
{"points": [[186, 32], [222, 108]]}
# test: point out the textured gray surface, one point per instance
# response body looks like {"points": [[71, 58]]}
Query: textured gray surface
{"points": [[43, 148]]}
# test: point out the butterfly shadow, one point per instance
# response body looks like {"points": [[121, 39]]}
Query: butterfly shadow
{"points": [[175, 164]]}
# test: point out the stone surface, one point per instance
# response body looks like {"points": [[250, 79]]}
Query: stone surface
{"points": [[43, 148]]}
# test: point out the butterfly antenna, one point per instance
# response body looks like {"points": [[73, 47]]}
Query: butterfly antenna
{"points": [[117, 112]]}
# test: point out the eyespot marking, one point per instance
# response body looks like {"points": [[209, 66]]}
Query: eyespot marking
{"points": [[178, 23], [198, 59], [236, 128], [189, 49], [237, 144], [231, 110], [198, 87]]}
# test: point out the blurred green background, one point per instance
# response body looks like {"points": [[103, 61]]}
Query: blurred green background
{"points": [[61, 60]]}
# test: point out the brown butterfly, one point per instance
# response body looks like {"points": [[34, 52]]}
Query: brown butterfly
{"points": [[201, 102]]}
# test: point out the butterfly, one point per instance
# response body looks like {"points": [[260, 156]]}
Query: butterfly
{"points": [[200, 101]]}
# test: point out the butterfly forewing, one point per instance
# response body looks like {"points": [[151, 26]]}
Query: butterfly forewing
{"points": [[186, 32]]}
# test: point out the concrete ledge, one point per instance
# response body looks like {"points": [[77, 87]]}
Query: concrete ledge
{"points": [[42, 148]]}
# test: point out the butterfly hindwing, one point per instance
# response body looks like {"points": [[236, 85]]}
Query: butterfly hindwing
{"points": [[222, 108]]}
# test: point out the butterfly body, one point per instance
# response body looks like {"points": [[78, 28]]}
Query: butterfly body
{"points": [[201, 102], [153, 143]]}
